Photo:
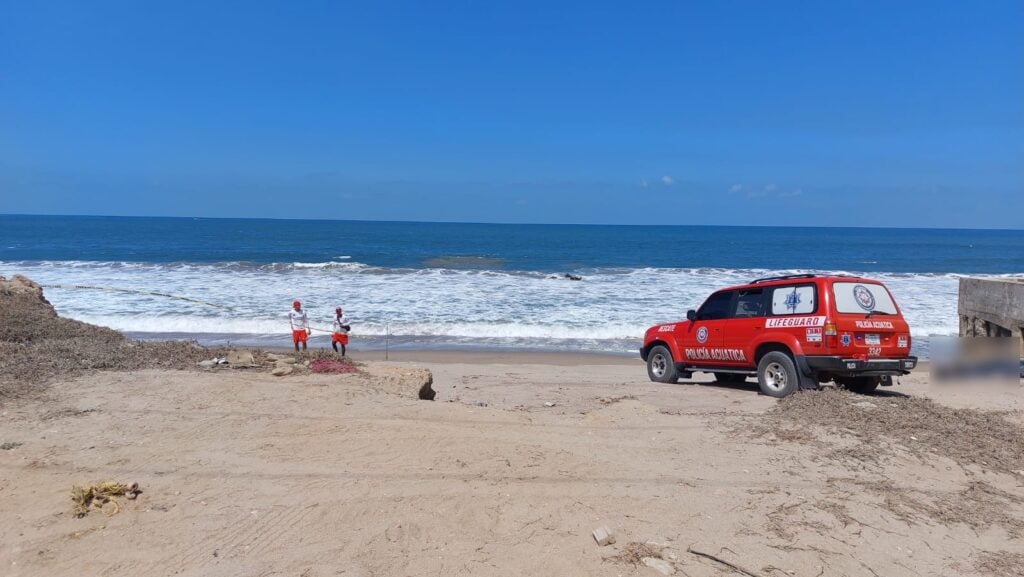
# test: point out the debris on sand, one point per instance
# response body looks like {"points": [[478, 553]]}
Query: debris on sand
{"points": [[612, 400], [427, 392], [634, 553], [1000, 564], [735, 567], [38, 346], [332, 366], [99, 494], [660, 565], [918, 425]]}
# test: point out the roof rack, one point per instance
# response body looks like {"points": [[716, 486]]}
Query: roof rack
{"points": [[783, 277]]}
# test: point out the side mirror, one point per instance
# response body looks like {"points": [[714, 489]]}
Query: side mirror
{"points": [[691, 315]]}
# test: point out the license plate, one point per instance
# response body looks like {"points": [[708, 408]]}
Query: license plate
{"points": [[872, 340]]}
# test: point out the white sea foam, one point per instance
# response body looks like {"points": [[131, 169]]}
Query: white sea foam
{"points": [[517, 307]]}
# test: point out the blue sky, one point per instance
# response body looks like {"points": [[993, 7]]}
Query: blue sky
{"points": [[788, 113]]}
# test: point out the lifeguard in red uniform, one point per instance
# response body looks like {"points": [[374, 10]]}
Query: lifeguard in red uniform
{"points": [[341, 329], [300, 325]]}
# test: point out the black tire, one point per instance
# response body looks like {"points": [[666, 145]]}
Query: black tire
{"points": [[862, 385], [776, 375], [660, 366], [730, 378]]}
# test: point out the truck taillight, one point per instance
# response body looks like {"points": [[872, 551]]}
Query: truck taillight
{"points": [[830, 330], [831, 335]]}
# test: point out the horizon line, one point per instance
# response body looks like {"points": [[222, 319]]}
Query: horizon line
{"points": [[410, 221]]}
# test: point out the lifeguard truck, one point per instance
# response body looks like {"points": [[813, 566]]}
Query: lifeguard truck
{"points": [[792, 332]]}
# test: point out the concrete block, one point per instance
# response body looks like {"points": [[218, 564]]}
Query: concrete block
{"points": [[660, 565], [604, 536]]}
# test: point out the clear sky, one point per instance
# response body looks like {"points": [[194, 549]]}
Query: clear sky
{"points": [[890, 113]]}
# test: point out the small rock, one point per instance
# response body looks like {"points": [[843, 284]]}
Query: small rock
{"points": [[207, 364], [285, 360], [549, 404], [480, 404], [281, 371], [660, 565], [604, 536]]}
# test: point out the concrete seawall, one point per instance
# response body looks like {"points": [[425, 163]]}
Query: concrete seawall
{"points": [[992, 307]]}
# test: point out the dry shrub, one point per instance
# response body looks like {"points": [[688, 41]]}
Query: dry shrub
{"points": [[967, 436], [633, 552]]}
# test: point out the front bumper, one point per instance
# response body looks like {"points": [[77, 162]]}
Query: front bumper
{"points": [[859, 368]]}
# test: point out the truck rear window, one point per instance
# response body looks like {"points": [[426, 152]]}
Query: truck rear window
{"points": [[854, 297]]}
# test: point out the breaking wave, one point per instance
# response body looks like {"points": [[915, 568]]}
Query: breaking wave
{"points": [[457, 305]]}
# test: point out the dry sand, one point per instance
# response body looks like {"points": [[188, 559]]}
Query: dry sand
{"points": [[507, 473]]}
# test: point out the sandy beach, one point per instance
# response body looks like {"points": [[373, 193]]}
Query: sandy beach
{"points": [[507, 472]]}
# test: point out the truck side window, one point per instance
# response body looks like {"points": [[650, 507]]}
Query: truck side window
{"points": [[794, 300], [716, 307], [749, 303]]}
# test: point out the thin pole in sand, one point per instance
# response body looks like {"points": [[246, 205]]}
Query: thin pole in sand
{"points": [[387, 338]]}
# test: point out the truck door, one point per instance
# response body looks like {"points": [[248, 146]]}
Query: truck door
{"points": [[745, 324], [703, 338]]}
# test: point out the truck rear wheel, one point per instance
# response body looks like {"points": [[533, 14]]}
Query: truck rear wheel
{"points": [[861, 385], [660, 366], [776, 375]]}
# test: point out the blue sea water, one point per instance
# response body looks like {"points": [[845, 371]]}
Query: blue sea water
{"points": [[446, 285]]}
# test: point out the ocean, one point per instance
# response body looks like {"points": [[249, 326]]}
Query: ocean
{"points": [[411, 285]]}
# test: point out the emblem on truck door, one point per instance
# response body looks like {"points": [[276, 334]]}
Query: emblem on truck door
{"points": [[702, 335], [793, 300]]}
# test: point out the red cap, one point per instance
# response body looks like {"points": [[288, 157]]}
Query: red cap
{"points": [[296, 304]]}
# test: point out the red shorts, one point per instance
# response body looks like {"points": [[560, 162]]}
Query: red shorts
{"points": [[340, 338], [299, 336]]}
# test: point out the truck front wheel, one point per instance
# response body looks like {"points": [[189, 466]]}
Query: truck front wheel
{"points": [[660, 366]]}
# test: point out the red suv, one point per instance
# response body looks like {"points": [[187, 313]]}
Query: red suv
{"points": [[792, 332]]}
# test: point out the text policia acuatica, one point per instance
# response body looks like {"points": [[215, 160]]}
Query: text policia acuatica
{"points": [[706, 354]]}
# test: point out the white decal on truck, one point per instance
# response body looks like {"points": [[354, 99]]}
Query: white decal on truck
{"points": [[706, 354], [666, 328], [874, 324], [814, 335], [790, 322]]}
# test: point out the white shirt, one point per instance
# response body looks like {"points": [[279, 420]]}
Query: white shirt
{"points": [[298, 319], [338, 328]]}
